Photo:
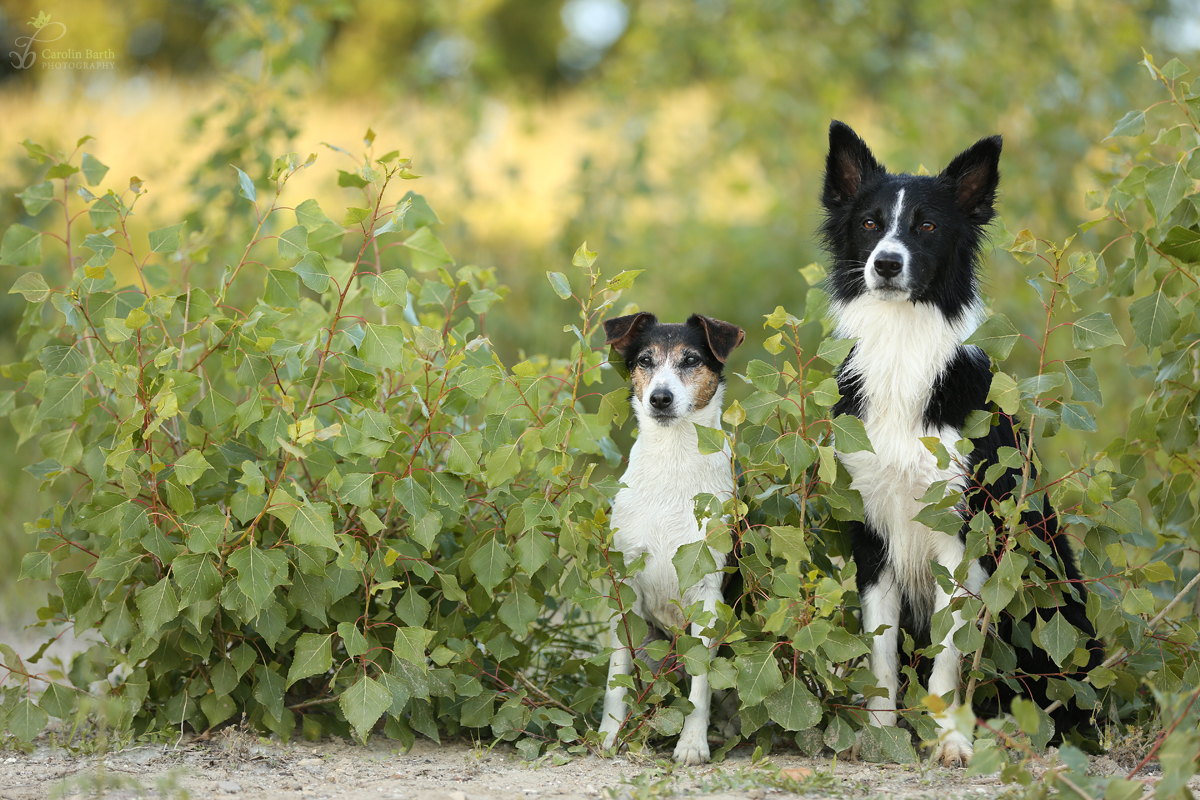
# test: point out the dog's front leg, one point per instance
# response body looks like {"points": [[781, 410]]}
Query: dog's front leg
{"points": [[953, 748], [881, 603], [693, 739], [621, 663]]}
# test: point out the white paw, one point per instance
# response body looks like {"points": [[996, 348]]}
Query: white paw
{"points": [[692, 749], [953, 750]]}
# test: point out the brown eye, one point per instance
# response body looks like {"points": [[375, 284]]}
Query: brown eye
{"points": [[645, 361], [927, 226], [869, 224]]}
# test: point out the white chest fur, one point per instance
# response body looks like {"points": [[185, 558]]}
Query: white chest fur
{"points": [[902, 348], [654, 512]]}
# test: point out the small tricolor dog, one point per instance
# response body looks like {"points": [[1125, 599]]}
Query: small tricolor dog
{"points": [[676, 383], [905, 250]]}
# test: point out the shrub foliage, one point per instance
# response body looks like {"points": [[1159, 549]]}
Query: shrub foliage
{"points": [[301, 486]]}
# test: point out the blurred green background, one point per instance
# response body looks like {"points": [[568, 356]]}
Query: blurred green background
{"points": [[682, 137]]}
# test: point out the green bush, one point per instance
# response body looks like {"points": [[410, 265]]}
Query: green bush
{"points": [[303, 487]]}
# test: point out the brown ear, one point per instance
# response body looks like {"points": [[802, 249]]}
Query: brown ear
{"points": [[722, 336], [621, 331]]}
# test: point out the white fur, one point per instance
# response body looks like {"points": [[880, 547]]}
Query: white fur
{"points": [[890, 243], [653, 514], [902, 348]]}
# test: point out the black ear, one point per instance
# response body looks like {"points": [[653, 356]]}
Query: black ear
{"points": [[621, 331], [722, 337], [849, 164], [975, 174]]}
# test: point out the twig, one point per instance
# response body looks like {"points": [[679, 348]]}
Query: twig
{"points": [[528, 685], [987, 618]]}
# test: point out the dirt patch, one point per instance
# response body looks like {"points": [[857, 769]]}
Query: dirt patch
{"points": [[253, 769]]}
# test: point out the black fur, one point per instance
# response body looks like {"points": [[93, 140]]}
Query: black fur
{"points": [[942, 269]]}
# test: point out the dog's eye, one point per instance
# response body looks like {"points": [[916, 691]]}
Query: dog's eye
{"points": [[869, 224], [927, 226], [645, 361], [690, 361]]}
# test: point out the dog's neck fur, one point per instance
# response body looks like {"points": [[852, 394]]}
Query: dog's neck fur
{"points": [[902, 348], [672, 452]]}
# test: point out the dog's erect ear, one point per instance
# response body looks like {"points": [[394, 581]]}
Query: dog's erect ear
{"points": [[621, 331], [722, 337], [849, 164], [975, 174]]}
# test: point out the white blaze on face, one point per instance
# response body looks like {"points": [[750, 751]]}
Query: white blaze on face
{"points": [[690, 388], [893, 249]]}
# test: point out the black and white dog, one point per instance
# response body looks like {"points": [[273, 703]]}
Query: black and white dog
{"points": [[675, 372], [904, 254]]}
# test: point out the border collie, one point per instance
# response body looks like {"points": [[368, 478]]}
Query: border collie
{"points": [[905, 250], [675, 375]]}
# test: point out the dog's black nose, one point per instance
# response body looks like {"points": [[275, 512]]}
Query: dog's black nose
{"points": [[888, 265], [661, 398]]}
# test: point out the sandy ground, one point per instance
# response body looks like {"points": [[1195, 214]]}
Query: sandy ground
{"points": [[243, 767], [236, 765]]}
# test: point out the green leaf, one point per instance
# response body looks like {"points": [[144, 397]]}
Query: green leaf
{"points": [[93, 169], [849, 434], [32, 286], [26, 721], [692, 562], [794, 707], [1154, 319], [623, 280], [1059, 638], [1166, 186], [996, 337], [157, 605], [37, 197], [758, 676], [165, 240], [247, 186], [282, 289], [490, 563], [1085, 386], [410, 645], [293, 243], [1095, 331], [382, 346], [310, 215], [197, 578], [312, 272], [58, 701], [1003, 392], [259, 572], [1182, 243], [62, 360], [313, 656], [21, 247], [363, 704], [1132, 124], [1078, 418], [502, 465], [391, 288], [560, 284], [312, 524], [427, 251], [1138, 601], [63, 398], [834, 351], [710, 440], [189, 468]]}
